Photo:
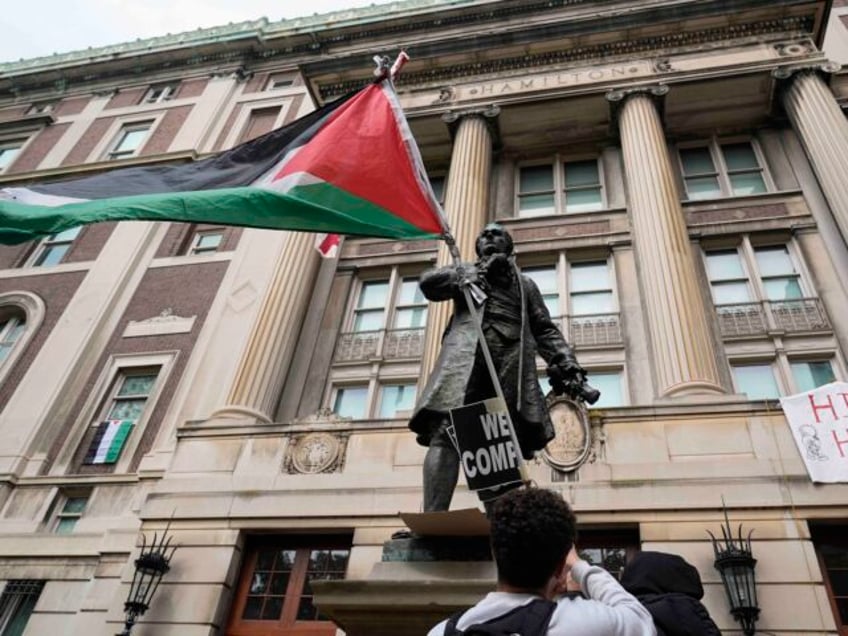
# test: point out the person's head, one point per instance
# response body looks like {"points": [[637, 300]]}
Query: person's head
{"points": [[493, 239], [532, 531]]}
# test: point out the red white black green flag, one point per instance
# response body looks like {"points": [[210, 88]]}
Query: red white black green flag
{"points": [[351, 167]]}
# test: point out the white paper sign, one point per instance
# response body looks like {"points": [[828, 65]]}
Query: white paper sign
{"points": [[818, 420]]}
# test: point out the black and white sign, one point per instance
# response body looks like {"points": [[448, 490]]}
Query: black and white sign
{"points": [[487, 453]]}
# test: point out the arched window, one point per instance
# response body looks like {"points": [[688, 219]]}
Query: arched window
{"points": [[12, 327], [21, 313]]}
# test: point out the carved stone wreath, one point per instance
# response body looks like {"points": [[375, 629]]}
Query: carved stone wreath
{"points": [[315, 453]]}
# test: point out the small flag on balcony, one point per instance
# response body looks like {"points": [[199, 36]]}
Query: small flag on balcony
{"points": [[108, 442]]}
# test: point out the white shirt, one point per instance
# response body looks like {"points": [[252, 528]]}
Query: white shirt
{"points": [[609, 610]]}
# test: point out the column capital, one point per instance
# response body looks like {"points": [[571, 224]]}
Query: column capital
{"points": [[787, 72], [616, 95], [489, 115]]}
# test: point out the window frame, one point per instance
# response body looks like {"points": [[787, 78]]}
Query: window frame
{"points": [[15, 143], [394, 280], [158, 93], [12, 608], [722, 172], [96, 403], [194, 248], [43, 249], [287, 625], [558, 164], [781, 366], [245, 107], [113, 154], [58, 513], [33, 309]]}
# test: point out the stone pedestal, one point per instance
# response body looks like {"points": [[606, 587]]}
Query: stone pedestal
{"points": [[419, 582]]}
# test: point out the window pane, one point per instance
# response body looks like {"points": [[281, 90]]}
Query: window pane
{"points": [[75, 505], [411, 318], [373, 294], [740, 156], [724, 265], [536, 179], [544, 277], [697, 161], [127, 409], [137, 385], [66, 526], [66, 235], [208, 242], [7, 156], [350, 402], [581, 173], [396, 397], [730, 293], [609, 384], [52, 255], [588, 200], [747, 183], [438, 185], [702, 188], [593, 303], [782, 289], [536, 205], [809, 375], [131, 140], [757, 381], [368, 320], [589, 276], [410, 292], [774, 261]]}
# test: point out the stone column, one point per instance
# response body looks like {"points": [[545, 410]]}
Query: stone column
{"points": [[684, 357], [466, 206], [262, 370], [823, 130]]}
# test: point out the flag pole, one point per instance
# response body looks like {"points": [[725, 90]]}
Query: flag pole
{"points": [[384, 72]]}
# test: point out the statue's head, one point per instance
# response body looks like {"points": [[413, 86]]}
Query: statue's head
{"points": [[493, 239]]}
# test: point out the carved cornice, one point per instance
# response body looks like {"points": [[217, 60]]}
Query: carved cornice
{"points": [[618, 49]]}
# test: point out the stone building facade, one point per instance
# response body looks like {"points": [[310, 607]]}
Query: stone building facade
{"points": [[675, 176]]}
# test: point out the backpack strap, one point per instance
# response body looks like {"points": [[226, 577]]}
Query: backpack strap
{"points": [[450, 626], [530, 619]]}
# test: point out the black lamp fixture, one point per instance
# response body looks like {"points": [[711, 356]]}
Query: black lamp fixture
{"points": [[150, 566], [735, 562]]}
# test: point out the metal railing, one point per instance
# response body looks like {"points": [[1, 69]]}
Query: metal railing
{"points": [[385, 344], [760, 318]]}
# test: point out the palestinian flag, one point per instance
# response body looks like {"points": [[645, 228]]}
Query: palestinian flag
{"points": [[351, 167], [108, 442]]}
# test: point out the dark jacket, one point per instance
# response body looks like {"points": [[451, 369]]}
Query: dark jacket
{"points": [[670, 589], [520, 340]]}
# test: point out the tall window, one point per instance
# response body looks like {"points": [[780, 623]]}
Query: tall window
{"points": [[831, 544], [369, 314], [395, 398], [546, 280], [12, 327], [759, 288], [561, 187], [70, 509], [52, 249], [129, 140], [122, 409], [590, 289], [8, 153], [17, 603], [351, 401], [720, 169], [274, 597], [757, 381]]}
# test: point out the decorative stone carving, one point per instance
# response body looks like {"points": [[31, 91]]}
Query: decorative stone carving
{"points": [[571, 447], [315, 453], [794, 49], [165, 323], [785, 72]]}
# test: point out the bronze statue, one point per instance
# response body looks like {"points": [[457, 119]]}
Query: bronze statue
{"points": [[517, 326]]}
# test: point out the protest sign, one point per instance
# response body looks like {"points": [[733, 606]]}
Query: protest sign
{"points": [[487, 453], [819, 423]]}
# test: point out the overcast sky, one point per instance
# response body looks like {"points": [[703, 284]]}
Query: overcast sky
{"points": [[32, 28]]}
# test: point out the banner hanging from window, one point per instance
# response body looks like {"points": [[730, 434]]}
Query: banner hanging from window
{"points": [[818, 420]]}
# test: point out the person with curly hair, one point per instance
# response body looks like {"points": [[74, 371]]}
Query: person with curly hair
{"points": [[532, 538]]}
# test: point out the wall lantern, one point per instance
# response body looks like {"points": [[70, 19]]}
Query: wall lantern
{"points": [[151, 565], [735, 562]]}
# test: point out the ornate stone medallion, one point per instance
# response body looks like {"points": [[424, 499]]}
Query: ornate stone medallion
{"points": [[314, 453], [570, 448]]}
